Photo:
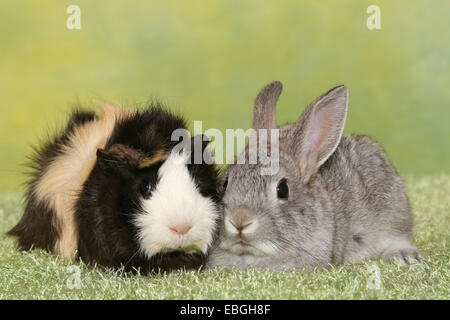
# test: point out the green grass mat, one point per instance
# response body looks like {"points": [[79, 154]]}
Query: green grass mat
{"points": [[40, 275]]}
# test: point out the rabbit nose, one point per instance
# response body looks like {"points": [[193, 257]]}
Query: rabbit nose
{"points": [[181, 229], [241, 219], [239, 228]]}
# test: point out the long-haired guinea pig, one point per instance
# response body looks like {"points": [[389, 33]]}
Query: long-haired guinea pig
{"points": [[111, 189]]}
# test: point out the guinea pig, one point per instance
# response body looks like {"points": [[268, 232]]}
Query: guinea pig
{"points": [[112, 189]]}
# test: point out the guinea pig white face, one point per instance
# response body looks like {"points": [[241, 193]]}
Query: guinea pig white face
{"points": [[176, 216]]}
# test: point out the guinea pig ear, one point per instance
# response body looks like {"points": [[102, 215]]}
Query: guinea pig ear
{"points": [[264, 113], [319, 129], [149, 160], [119, 155]]}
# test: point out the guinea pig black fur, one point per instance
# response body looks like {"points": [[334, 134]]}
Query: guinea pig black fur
{"points": [[111, 190]]}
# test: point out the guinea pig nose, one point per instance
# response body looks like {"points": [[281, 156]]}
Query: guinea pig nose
{"points": [[180, 229]]}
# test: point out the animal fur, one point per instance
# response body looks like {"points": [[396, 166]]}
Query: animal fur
{"points": [[81, 200], [346, 202]]}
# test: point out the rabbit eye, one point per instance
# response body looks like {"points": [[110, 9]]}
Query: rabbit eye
{"points": [[144, 187], [282, 189]]}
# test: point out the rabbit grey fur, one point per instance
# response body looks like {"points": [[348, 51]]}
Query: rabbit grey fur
{"points": [[346, 201]]}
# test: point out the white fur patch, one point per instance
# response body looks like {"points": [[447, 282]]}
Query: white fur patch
{"points": [[258, 249], [176, 201], [229, 228]]}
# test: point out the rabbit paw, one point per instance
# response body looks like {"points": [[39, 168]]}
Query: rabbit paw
{"points": [[403, 256]]}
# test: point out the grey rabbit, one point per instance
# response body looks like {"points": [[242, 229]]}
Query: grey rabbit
{"points": [[333, 200]]}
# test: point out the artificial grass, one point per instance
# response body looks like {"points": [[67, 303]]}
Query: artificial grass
{"points": [[40, 275]]}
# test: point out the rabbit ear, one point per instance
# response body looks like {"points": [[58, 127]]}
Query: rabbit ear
{"points": [[265, 103], [319, 129]]}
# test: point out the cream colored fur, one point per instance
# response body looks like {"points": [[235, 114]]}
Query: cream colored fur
{"points": [[64, 177]]}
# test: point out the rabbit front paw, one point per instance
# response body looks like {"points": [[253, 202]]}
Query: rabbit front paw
{"points": [[403, 256]]}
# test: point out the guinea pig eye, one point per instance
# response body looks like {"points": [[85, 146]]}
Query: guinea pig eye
{"points": [[282, 189], [144, 187]]}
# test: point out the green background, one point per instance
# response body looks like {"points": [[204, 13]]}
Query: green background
{"points": [[208, 59]]}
